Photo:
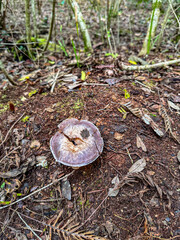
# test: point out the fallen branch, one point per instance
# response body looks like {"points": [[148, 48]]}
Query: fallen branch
{"points": [[147, 67]]}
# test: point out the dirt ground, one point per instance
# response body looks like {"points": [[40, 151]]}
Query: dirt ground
{"points": [[147, 205]]}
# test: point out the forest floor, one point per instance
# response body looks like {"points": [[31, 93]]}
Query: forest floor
{"points": [[147, 205]]}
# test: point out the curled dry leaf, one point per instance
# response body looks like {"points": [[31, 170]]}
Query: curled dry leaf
{"points": [[140, 143], [12, 185], [17, 171], [19, 135], [109, 227], [138, 166], [42, 161]]}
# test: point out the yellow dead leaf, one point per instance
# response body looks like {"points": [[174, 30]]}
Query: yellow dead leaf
{"points": [[132, 62]]}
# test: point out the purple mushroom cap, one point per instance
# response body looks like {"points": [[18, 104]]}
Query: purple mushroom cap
{"points": [[77, 143]]}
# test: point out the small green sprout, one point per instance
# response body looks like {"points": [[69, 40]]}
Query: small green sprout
{"points": [[25, 119], [126, 94], [33, 92]]}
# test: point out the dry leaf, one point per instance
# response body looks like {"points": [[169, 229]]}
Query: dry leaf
{"points": [[138, 166], [112, 81], [11, 118], [17, 171], [20, 236], [35, 144], [145, 118], [174, 106], [175, 98], [113, 192], [151, 173], [109, 227], [17, 160], [48, 109], [41, 161], [19, 135], [148, 120], [140, 143], [66, 189], [118, 136]]}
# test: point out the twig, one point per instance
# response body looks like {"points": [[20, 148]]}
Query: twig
{"points": [[170, 2], [120, 184], [148, 67], [28, 226], [54, 81], [94, 211], [11, 129], [95, 84], [13, 229], [7, 220], [136, 81], [129, 155], [54, 225], [9, 153], [10, 79], [48, 200], [31, 194]]}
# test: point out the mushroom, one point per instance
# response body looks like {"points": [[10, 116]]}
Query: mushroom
{"points": [[77, 143]]}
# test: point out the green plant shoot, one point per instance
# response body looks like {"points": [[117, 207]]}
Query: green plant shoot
{"points": [[75, 52], [126, 94]]}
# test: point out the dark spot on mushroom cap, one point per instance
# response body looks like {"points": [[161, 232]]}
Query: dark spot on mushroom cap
{"points": [[77, 143], [85, 133]]}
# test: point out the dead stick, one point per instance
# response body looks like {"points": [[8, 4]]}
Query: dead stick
{"points": [[11, 129], [8, 76], [28, 225], [151, 66]]}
